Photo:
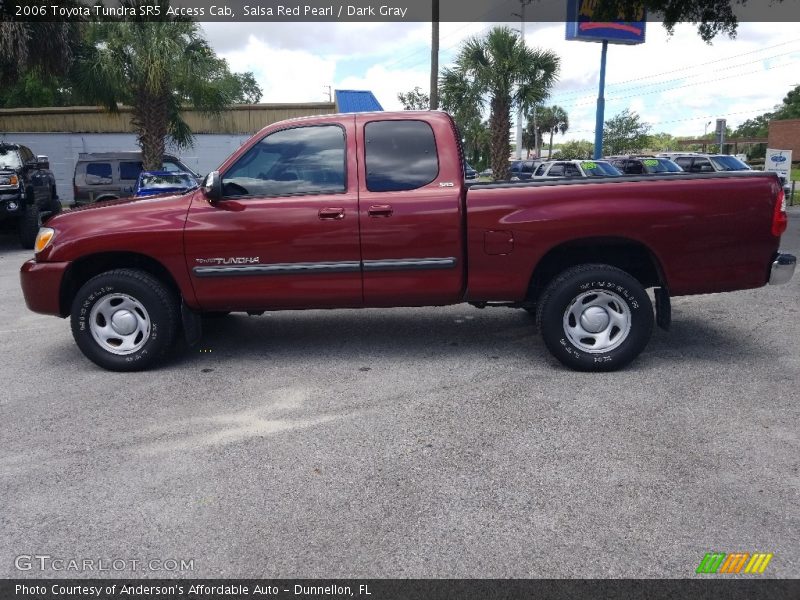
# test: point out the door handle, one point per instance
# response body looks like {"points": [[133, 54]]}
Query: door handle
{"points": [[331, 214], [380, 210]]}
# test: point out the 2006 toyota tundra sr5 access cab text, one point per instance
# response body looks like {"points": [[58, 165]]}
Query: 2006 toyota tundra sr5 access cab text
{"points": [[371, 210]]}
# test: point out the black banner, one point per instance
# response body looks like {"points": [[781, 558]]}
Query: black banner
{"points": [[712, 588], [486, 11]]}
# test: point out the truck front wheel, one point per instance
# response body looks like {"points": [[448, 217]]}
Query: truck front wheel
{"points": [[595, 318], [124, 320], [29, 222]]}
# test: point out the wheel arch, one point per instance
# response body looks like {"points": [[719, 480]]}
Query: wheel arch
{"points": [[626, 254], [86, 267]]}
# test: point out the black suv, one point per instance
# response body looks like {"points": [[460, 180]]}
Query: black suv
{"points": [[27, 191], [644, 165]]}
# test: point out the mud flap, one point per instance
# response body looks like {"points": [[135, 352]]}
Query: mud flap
{"points": [[663, 308], [192, 325]]}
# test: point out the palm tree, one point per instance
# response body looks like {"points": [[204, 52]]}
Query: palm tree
{"points": [[553, 119], [500, 68], [44, 47], [156, 68]]}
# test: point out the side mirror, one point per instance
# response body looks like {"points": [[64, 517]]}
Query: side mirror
{"points": [[212, 187], [43, 162]]}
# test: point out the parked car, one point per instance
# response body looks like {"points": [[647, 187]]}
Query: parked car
{"points": [[110, 175], [470, 174], [486, 173], [294, 220], [709, 163], [27, 191], [576, 168], [644, 165], [520, 170], [151, 183]]}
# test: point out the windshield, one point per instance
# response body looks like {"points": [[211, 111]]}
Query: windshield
{"points": [[166, 181], [596, 168], [728, 163], [9, 158], [660, 165]]}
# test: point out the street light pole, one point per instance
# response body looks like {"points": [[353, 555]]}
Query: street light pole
{"points": [[521, 15]]}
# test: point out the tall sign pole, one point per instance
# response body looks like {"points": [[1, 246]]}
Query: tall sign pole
{"points": [[582, 26], [601, 105], [521, 15]]}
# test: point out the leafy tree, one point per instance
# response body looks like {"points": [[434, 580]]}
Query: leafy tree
{"points": [[461, 100], [415, 99], [157, 68], [552, 120], [663, 142], [625, 133], [576, 149], [790, 109], [46, 47], [500, 70]]}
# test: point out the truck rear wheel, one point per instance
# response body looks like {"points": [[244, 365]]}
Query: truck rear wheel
{"points": [[595, 318], [124, 320], [29, 223]]}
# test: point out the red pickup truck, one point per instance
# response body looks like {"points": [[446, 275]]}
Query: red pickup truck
{"points": [[371, 210]]}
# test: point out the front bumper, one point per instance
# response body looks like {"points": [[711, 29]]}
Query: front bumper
{"points": [[41, 286], [782, 269]]}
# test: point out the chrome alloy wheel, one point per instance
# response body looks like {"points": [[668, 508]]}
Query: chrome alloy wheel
{"points": [[119, 324], [597, 321]]}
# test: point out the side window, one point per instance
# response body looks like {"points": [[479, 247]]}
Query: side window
{"points": [[129, 170], [25, 154], [400, 155], [302, 160], [98, 173], [684, 163], [702, 165], [557, 170], [634, 168], [540, 170], [571, 170], [527, 167]]}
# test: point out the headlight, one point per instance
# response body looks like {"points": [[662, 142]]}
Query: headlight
{"points": [[43, 239]]}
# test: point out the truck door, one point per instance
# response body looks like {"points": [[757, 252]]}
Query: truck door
{"points": [[410, 211], [285, 234]]}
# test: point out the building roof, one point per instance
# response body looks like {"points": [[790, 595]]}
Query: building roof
{"points": [[348, 101]]}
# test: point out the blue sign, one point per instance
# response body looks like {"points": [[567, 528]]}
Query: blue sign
{"points": [[582, 26], [778, 158]]}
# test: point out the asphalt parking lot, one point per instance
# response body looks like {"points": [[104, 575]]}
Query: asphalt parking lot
{"points": [[439, 442]]}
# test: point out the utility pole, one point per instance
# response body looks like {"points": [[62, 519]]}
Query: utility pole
{"points": [[328, 91], [521, 15], [435, 56]]}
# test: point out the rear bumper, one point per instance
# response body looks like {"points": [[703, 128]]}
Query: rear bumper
{"points": [[41, 286], [782, 269]]}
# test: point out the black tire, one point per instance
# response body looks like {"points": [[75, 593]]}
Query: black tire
{"points": [[618, 308], [156, 319], [29, 223]]}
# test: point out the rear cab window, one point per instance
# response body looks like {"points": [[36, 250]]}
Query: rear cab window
{"points": [[399, 155]]}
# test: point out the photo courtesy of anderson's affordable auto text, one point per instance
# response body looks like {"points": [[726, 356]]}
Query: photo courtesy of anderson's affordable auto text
{"points": [[399, 300]]}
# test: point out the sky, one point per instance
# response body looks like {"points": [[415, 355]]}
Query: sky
{"points": [[677, 84]]}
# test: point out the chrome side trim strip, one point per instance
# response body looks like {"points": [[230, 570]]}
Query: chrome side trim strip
{"points": [[403, 264], [395, 264], [279, 269]]}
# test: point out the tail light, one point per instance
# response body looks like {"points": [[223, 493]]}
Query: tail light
{"points": [[779, 218]]}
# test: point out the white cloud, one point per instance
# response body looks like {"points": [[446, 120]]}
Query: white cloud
{"points": [[675, 83]]}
